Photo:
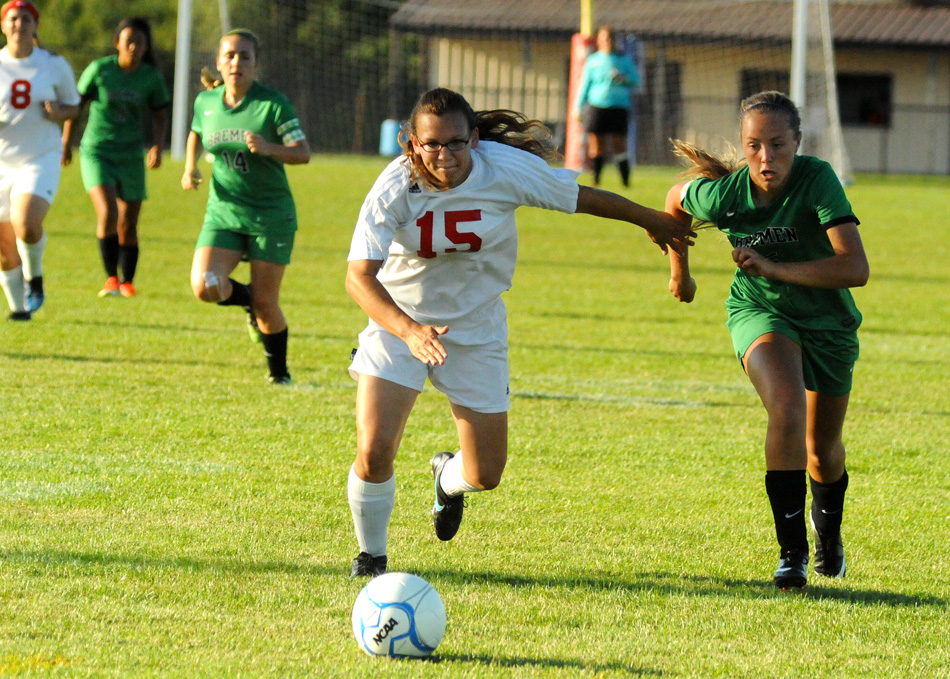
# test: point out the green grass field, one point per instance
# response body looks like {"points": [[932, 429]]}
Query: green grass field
{"points": [[166, 513]]}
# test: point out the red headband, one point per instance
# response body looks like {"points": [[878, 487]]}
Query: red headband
{"points": [[20, 4]]}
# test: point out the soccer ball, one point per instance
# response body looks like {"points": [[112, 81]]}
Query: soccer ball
{"points": [[399, 615]]}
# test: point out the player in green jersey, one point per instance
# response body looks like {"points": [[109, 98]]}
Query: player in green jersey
{"points": [[252, 131], [792, 318], [117, 90]]}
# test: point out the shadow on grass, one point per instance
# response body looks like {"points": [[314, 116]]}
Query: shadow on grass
{"points": [[625, 400], [657, 582], [217, 330], [595, 668], [117, 360], [625, 351], [691, 585], [143, 563]]}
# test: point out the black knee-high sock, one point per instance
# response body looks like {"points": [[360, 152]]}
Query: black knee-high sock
{"points": [[128, 261], [827, 504], [624, 166], [240, 295], [787, 490], [109, 250], [597, 163], [275, 349]]}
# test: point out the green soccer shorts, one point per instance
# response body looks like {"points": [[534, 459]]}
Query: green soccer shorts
{"points": [[275, 248], [127, 175], [828, 356]]}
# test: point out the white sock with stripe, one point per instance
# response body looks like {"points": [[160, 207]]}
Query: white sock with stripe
{"points": [[452, 481]]}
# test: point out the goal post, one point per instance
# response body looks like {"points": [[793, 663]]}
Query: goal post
{"points": [[813, 85]]}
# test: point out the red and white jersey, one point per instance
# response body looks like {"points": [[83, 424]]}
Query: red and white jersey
{"points": [[451, 254], [25, 84]]}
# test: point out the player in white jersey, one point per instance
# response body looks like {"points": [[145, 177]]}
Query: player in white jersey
{"points": [[37, 91], [433, 250]]}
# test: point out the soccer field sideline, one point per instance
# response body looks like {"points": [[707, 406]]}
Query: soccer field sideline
{"points": [[166, 514]]}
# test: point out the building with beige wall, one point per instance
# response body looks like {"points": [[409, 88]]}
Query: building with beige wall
{"points": [[699, 58]]}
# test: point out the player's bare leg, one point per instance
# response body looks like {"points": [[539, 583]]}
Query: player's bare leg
{"points": [[27, 212], [266, 278], [107, 215], [774, 365], [11, 274], [829, 479], [596, 150], [382, 410], [127, 231], [210, 272], [483, 438], [618, 144]]}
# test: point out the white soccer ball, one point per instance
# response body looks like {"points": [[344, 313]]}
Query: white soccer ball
{"points": [[399, 615]]}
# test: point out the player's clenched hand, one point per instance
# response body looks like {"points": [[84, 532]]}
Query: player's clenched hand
{"points": [[190, 180], [256, 144], [153, 160], [752, 262], [425, 345], [684, 290]]}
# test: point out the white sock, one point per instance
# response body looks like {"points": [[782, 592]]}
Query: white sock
{"points": [[32, 256], [371, 505], [452, 481], [14, 288]]}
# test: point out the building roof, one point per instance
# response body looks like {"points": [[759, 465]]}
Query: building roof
{"points": [[857, 24]]}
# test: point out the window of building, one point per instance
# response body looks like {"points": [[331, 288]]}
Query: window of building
{"points": [[865, 99]]}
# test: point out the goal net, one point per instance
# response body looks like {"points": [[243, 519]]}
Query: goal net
{"points": [[350, 65], [336, 60], [698, 60]]}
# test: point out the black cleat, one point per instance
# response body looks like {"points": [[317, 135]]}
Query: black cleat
{"points": [[829, 554], [368, 566], [447, 510], [19, 316], [792, 571]]}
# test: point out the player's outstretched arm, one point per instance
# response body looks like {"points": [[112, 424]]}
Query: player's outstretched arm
{"points": [[375, 300], [664, 229]]}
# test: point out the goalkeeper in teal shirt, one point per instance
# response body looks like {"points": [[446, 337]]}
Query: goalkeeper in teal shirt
{"points": [[605, 93], [791, 315], [252, 131]]}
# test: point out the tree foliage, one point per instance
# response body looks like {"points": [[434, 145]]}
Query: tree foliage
{"points": [[82, 31], [333, 58]]}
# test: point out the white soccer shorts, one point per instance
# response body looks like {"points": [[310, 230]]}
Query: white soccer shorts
{"points": [[39, 177], [474, 376]]}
